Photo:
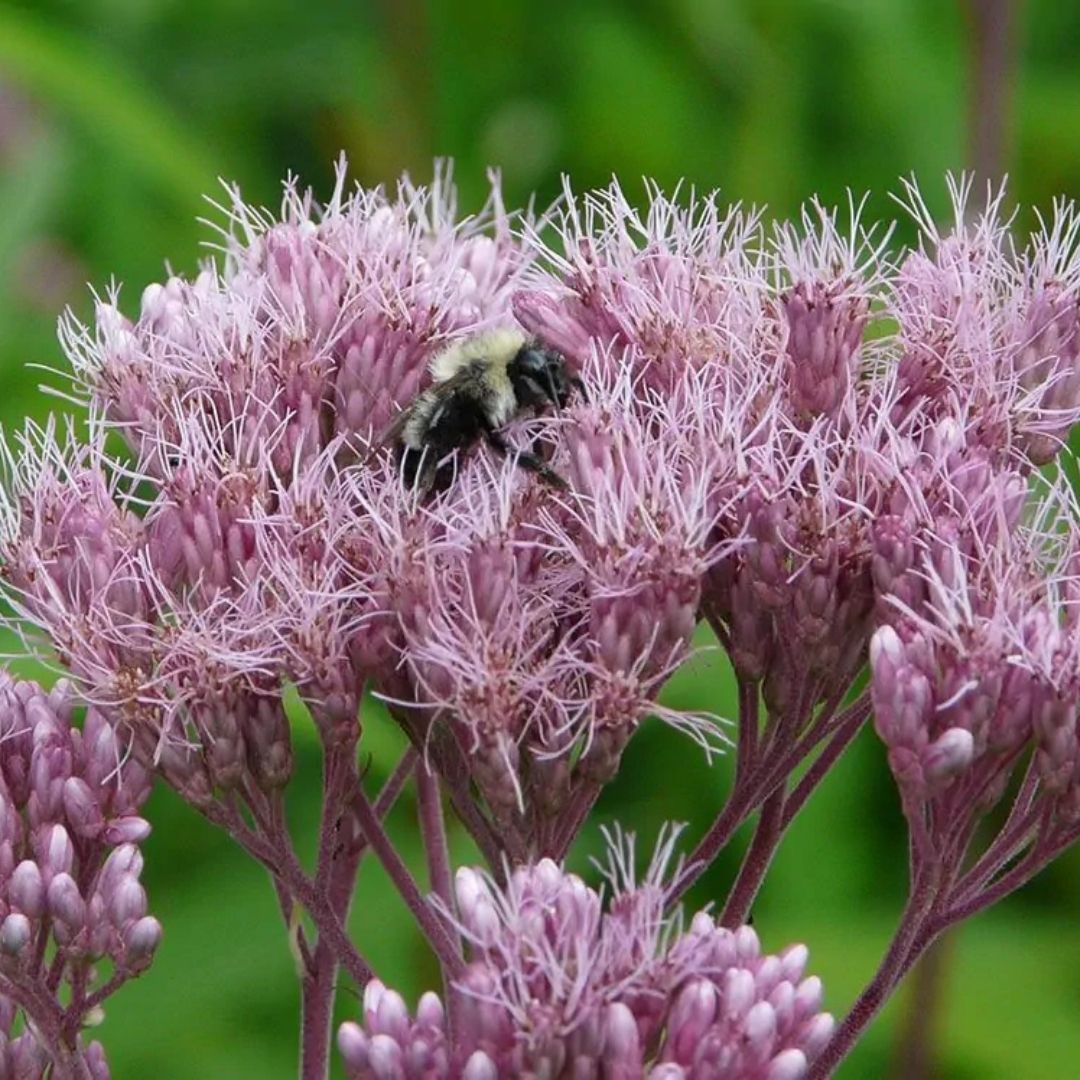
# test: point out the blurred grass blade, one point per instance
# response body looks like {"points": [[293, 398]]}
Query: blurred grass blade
{"points": [[29, 193], [118, 110]]}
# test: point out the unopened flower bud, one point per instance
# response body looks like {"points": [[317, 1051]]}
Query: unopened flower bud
{"points": [[391, 1016], [126, 830], [691, 1015], [57, 853], [81, 808], [26, 889], [949, 754], [141, 941], [816, 1034], [27, 1056], [94, 1057], [479, 1067], [123, 860], [787, 1065], [65, 902], [429, 1010], [353, 1045], [14, 933], [385, 1058], [128, 901]]}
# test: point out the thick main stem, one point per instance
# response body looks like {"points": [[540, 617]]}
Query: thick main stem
{"points": [[316, 1014], [335, 877], [755, 865], [916, 1048], [909, 940]]}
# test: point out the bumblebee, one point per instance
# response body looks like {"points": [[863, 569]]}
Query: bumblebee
{"points": [[479, 385]]}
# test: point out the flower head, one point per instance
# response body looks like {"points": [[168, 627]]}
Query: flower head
{"points": [[558, 979]]}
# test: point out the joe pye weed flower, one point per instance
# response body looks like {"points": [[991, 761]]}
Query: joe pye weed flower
{"points": [[834, 454]]}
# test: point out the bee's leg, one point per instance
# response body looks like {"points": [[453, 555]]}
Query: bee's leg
{"points": [[525, 459], [410, 463], [443, 475], [417, 470], [543, 448]]}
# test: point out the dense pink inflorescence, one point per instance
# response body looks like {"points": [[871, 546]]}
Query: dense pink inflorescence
{"points": [[985, 666], [560, 982], [508, 626], [824, 450], [747, 451], [70, 896]]}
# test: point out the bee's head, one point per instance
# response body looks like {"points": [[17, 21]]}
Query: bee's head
{"points": [[541, 377]]}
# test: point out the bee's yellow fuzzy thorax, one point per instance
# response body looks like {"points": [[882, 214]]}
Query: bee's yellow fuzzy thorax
{"points": [[494, 347]]}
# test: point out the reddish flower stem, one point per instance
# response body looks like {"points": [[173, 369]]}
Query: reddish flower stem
{"points": [[1019, 875], [42, 1011], [1012, 838], [391, 789], [948, 911], [454, 773], [433, 929], [440, 879], [570, 821], [739, 806], [757, 783], [851, 724], [746, 750], [908, 942], [94, 999], [433, 833], [276, 854], [340, 848], [755, 864]]}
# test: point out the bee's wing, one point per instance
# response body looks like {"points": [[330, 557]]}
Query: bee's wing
{"points": [[393, 432], [443, 389], [470, 373], [389, 436]]}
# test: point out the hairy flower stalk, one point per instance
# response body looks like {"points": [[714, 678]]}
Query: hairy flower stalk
{"points": [[825, 450]]}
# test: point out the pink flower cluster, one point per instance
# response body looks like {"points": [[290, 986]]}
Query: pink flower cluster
{"points": [[824, 450], [255, 541], [560, 983], [70, 896]]}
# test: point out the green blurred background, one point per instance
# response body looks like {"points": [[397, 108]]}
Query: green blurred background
{"points": [[116, 116]]}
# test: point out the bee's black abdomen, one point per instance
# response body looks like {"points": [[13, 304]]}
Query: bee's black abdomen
{"points": [[455, 424]]}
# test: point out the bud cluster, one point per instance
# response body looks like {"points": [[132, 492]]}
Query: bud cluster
{"points": [[70, 896], [985, 665], [560, 982]]}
